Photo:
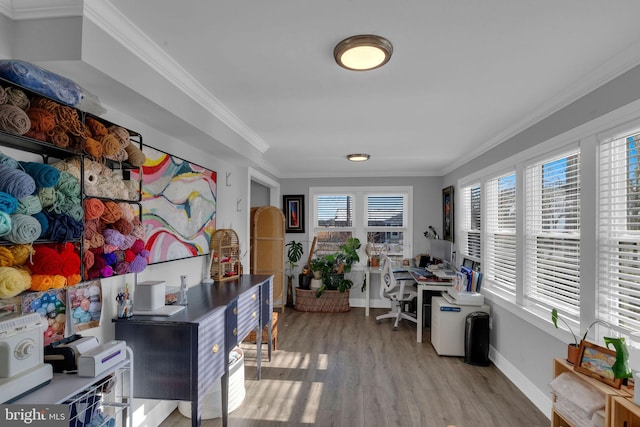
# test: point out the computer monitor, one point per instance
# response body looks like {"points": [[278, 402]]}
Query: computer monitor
{"points": [[442, 250]]}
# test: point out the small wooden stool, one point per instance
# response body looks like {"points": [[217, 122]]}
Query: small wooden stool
{"points": [[265, 332]]}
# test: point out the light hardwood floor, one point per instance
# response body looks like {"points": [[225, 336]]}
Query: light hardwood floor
{"points": [[343, 369]]}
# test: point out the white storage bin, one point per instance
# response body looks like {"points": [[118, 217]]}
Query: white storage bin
{"points": [[212, 399]]}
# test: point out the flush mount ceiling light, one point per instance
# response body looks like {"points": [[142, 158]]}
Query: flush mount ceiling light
{"points": [[358, 157], [363, 52]]}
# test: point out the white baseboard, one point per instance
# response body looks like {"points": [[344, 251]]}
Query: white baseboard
{"points": [[540, 398]]}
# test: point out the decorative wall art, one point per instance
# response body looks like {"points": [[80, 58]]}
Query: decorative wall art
{"points": [[179, 205], [293, 207], [447, 213], [597, 362]]}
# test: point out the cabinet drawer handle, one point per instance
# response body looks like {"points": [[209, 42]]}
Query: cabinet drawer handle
{"points": [[254, 314], [235, 311], [215, 348], [235, 332], [253, 297]]}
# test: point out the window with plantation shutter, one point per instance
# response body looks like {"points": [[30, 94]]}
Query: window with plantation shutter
{"points": [[619, 233], [500, 235], [471, 222], [552, 234]]}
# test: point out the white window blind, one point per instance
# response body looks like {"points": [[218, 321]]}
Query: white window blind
{"points": [[471, 221], [552, 234], [619, 233], [386, 224], [500, 242], [334, 210], [379, 216], [385, 211], [334, 221]]}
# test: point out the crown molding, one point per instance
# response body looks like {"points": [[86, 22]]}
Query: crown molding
{"points": [[110, 20], [36, 9], [616, 66]]}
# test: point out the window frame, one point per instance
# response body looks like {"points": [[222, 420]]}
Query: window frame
{"points": [[359, 227]]}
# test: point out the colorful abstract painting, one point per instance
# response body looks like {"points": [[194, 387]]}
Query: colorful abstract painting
{"points": [[178, 206]]}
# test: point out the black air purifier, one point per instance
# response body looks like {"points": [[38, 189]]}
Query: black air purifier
{"points": [[476, 339]]}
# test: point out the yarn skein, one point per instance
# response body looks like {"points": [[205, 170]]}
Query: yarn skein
{"points": [[13, 281], [93, 208], [8, 203], [24, 229], [9, 161], [6, 257], [44, 175], [136, 156], [16, 182], [14, 120], [18, 98], [5, 223]]}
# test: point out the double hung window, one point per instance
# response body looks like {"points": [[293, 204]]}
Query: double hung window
{"points": [[380, 217], [552, 234], [500, 241], [471, 222], [619, 232]]}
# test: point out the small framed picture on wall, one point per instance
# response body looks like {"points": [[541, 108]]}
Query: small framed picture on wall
{"points": [[447, 213], [293, 207]]}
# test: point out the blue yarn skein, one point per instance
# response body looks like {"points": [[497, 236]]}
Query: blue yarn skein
{"points": [[16, 182], [64, 228], [8, 203], [44, 175], [44, 224], [9, 161], [24, 229], [5, 223]]}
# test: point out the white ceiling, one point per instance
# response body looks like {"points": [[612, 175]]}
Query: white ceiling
{"points": [[464, 76]]}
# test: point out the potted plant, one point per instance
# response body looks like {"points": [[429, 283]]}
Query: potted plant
{"points": [[294, 253], [573, 349], [317, 266], [333, 267]]}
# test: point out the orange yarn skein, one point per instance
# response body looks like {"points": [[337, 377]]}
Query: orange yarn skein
{"points": [[96, 128], [93, 148], [93, 208], [41, 120], [112, 212], [110, 144]]}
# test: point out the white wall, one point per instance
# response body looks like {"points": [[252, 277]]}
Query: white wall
{"points": [[524, 349], [427, 201], [6, 29]]}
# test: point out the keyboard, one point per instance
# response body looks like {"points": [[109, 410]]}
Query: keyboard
{"points": [[422, 272]]}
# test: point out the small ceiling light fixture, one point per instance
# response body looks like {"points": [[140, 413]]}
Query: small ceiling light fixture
{"points": [[358, 157], [363, 52]]}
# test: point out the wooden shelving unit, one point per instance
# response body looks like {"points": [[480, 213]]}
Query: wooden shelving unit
{"points": [[620, 411]]}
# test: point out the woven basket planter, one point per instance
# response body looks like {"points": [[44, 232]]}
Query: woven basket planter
{"points": [[329, 301]]}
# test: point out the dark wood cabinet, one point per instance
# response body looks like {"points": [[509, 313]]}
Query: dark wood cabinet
{"points": [[179, 357]]}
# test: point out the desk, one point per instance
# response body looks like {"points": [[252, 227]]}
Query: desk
{"points": [[179, 357], [430, 284], [367, 289]]}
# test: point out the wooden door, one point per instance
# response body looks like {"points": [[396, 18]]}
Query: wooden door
{"points": [[267, 248]]}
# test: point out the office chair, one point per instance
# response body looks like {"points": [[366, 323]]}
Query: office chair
{"points": [[398, 288]]}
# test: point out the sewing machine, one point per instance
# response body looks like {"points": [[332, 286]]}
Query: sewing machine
{"points": [[22, 369]]}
